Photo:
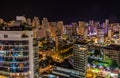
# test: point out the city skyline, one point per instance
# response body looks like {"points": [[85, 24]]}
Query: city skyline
{"points": [[59, 39], [68, 11], [80, 50]]}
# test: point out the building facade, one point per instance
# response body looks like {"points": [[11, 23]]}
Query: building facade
{"points": [[113, 52], [16, 54], [36, 62], [80, 51], [100, 35]]}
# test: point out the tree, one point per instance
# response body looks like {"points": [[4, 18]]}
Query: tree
{"points": [[97, 52], [1, 26], [114, 64], [40, 56], [50, 59]]}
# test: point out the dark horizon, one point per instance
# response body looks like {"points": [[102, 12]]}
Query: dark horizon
{"points": [[66, 11]]}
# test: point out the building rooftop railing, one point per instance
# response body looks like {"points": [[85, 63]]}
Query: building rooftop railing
{"points": [[16, 28]]}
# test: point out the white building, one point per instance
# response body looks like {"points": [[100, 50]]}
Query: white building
{"points": [[16, 54], [21, 18]]}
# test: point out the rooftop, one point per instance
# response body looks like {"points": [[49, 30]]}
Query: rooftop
{"points": [[16, 28], [113, 47], [81, 42]]}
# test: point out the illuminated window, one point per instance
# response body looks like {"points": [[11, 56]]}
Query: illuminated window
{"points": [[24, 36]]}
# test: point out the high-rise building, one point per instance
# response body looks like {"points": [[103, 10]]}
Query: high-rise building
{"points": [[119, 31], [45, 23], [81, 28], [16, 54], [112, 51], [80, 51], [106, 26], [91, 22], [29, 21], [36, 61], [1, 20], [37, 22], [68, 32], [74, 28], [109, 33], [21, 18], [60, 27], [100, 34]]}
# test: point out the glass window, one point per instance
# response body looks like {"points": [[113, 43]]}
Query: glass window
{"points": [[5, 36]]}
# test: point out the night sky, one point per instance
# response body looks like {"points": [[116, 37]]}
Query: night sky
{"points": [[66, 10]]}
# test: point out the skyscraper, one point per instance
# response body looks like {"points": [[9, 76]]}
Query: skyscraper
{"points": [[81, 28], [80, 51], [106, 26], [29, 21], [100, 35]]}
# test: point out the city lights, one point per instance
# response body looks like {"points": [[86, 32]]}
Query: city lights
{"points": [[82, 50]]}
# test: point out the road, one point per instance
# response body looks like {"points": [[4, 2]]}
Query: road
{"points": [[42, 70], [55, 56], [3, 76]]}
